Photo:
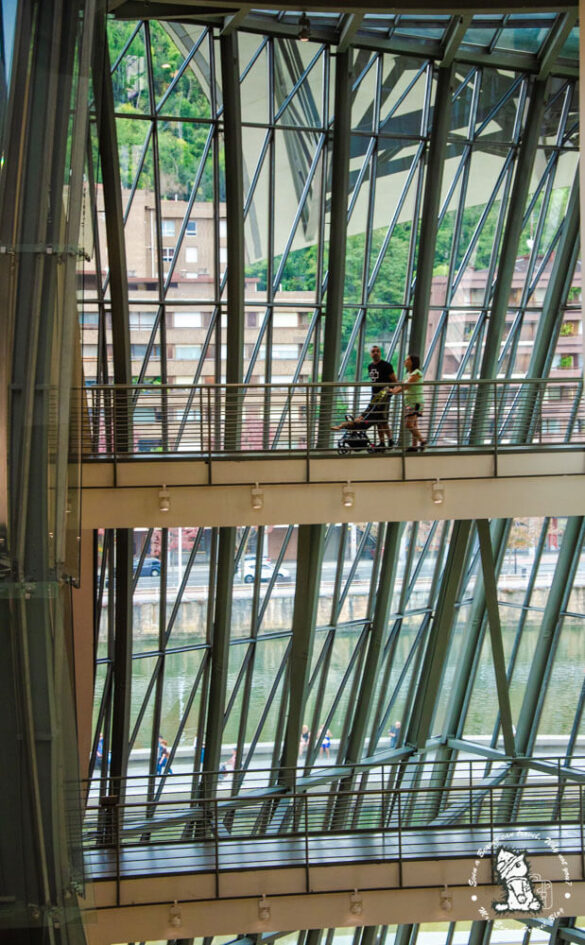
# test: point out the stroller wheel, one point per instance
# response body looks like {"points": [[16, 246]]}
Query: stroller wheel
{"points": [[343, 449]]}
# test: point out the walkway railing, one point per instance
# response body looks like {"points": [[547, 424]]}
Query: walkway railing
{"points": [[212, 420], [397, 812]]}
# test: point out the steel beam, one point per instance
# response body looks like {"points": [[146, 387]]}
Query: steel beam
{"points": [[112, 190], [122, 661], [463, 682], [367, 684], [308, 580], [491, 596], [430, 211], [376, 636], [551, 320], [234, 198], [419, 725], [338, 234], [555, 41], [512, 233], [219, 655], [453, 38], [38, 707], [560, 589], [557, 290]]}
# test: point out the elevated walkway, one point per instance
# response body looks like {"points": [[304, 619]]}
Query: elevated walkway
{"points": [[265, 454], [323, 854], [349, 883]]}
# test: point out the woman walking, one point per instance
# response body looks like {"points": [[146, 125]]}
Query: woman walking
{"points": [[412, 389]]}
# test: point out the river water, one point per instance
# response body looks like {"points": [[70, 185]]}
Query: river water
{"points": [[182, 665]]}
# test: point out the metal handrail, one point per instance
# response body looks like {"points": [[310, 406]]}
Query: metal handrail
{"points": [[478, 415], [423, 809]]}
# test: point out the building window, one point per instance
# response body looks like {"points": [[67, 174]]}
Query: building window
{"points": [[168, 253], [187, 352], [285, 352], [192, 228], [137, 352], [551, 425], [251, 319], [222, 229], [90, 351], [191, 254], [188, 320], [142, 320], [555, 392], [89, 319], [223, 254], [286, 320], [168, 227]]}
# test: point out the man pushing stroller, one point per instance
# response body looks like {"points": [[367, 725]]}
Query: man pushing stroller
{"points": [[376, 413]]}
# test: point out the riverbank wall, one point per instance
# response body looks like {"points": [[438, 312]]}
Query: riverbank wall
{"points": [[191, 615]]}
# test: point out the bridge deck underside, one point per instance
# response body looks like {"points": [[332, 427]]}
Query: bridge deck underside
{"points": [[218, 492], [333, 880]]}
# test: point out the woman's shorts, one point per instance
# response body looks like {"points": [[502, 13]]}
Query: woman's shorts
{"points": [[414, 410]]}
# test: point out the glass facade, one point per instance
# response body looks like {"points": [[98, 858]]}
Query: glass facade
{"points": [[397, 180]]}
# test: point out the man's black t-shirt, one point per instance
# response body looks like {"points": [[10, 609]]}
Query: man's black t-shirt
{"points": [[381, 374]]}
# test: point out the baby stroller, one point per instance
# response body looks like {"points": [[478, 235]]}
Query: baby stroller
{"points": [[356, 439]]}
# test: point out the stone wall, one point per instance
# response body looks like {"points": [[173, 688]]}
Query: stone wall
{"points": [[192, 612]]}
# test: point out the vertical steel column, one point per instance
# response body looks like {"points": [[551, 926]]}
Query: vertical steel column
{"points": [[455, 712], [37, 717], [234, 199], [558, 595], [379, 626], [489, 579], [363, 704], [430, 212], [557, 290], [106, 126], [122, 685], [509, 252], [108, 145], [219, 654], [338, 235], [309, 558], [438, 642]]}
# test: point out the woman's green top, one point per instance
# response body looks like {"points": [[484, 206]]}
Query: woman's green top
{"points": [[413, 392]]}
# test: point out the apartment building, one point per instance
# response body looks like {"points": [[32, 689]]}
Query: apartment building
{"points": [[173, 305]]}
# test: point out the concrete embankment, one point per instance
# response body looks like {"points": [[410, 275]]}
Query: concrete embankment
{"points": [[191, 614]]}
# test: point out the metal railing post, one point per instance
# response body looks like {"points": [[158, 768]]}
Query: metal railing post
{"points": [[307, 865], [290, 403], [582, 844], [495, 383], [116, 825], [399, 805], [208, 392], [491, 790], [216, 846], [308, 434]]}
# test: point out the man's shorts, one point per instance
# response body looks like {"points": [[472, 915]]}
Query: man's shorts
{"points": [[378, 411]]}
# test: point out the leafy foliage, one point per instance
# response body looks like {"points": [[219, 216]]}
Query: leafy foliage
{"points": [[182, 136]]}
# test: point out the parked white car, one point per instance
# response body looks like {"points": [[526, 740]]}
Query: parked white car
{"points": [[267, 570]]}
